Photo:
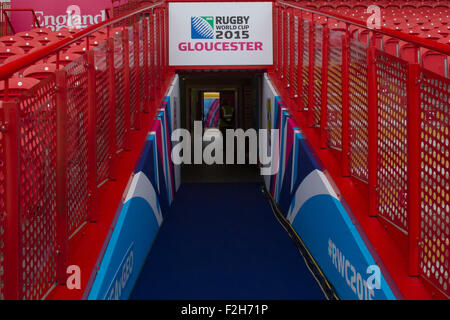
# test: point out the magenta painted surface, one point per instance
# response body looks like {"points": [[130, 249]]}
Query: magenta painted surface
{"points": [[53, 13]]}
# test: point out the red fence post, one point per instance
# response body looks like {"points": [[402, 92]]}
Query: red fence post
{"points": [[279, 40], [158, 51], [112, 110], [152, 61], [345, 105], [92, 139], [137, 78], [10, 130], [413, 128], [166, 44], [281, 48], [145, 29], [286, 48], [62, 239], [300, 92], [292, 49], [373, 130], [311, 73], [324, 89], [163, 43], [126, 86]]}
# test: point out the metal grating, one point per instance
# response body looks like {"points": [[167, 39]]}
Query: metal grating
{"points": [[102, 100], [119, 90], [392, 138], [37, 205], [334, 92], [435, 177], [358, 102], [77, 143], [317, 97]]}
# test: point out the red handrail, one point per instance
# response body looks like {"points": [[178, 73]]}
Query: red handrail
{"points": [[7, 21], [9, 69], [420, 42]]}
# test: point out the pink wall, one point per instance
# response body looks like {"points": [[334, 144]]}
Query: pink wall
{"points": [[52, 13]]}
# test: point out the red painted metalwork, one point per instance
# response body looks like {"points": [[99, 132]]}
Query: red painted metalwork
{"points": [[126, 111], [434, 161], [345, 72], [334, 102], [41, 252], [299, 71], [59, 146], [311, 59], [61, 175], [114, 96], [2, 203], [386, 127], [358, 104], [10, 219], [152, 70], [286, 48], [413, 169], [7, 21], [324, 88], [292, 79], [280, 43], [317, 76], [372, 116], [92, 138], [391, 140], [77, 130], [146, 66]]}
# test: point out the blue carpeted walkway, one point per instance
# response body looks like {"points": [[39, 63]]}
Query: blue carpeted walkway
{"points": [[222, 241]]}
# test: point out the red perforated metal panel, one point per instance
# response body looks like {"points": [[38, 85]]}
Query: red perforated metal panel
{"points": [[102, 99], [358, 102], [37, 205], [77, 144], [317, 98], [435, 178], [392, 139], [334, 92], [119, 92]]}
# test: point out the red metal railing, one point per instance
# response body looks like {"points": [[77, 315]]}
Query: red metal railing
{"points": [[388, 115], [59, 143], [3, 6], [7, 25]]}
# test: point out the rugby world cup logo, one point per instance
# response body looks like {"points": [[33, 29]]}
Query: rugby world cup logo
{"points": [[202, 27]]}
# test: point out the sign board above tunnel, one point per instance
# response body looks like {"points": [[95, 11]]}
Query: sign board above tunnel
{"points": [[220, 33]]}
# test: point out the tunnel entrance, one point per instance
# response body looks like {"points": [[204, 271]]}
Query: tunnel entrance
{"points": [[220, 101]]}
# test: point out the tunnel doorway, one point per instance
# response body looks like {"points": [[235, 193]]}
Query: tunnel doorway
{"points": [[211, 97]]}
